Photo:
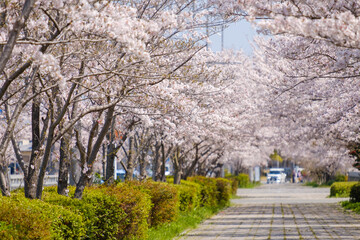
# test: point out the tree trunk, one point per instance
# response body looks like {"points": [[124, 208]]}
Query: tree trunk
{"points": [[156, 163], [64, 166], [130, 161], [163, 162], [44, 163], [142, 163], [75, 168], [202, 168], [104, 165], [4, 181], [82, 183], [177, 174], [177, 167], [110, 164], [191, 169], [111, 155], [31, 180], [218, 172], [86, 174]]}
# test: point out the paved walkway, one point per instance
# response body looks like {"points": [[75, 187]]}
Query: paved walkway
{"points": [[280, 211]]}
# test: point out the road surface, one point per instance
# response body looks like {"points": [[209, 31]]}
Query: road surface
{"points": [[280, 211]]}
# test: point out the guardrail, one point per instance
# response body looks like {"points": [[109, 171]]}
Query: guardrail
{"points": [[353, 176], [17, 181]]}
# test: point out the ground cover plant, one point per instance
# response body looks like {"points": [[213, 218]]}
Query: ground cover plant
{"points": [[186, 220]]}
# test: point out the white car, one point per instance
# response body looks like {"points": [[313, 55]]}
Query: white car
{"points": [[276, 175]]}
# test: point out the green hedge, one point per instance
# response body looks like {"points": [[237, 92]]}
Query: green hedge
{"points": [[109, 212], [164, 198], [224, 191], [243, 180], [189, 195], [22, 218], [137, 207], [208, 190], [341, 189], [234, 185], [214, 191], [124, 211]]}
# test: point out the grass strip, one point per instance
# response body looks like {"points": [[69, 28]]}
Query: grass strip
{"points": [[315, 184], [355, 207], [186, 220], [251, 185]]}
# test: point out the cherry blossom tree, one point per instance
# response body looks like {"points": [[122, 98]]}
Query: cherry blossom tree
{"points": [[313, 103]]}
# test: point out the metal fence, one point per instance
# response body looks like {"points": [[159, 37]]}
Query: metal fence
{"points": [[17, 181], [353, 176]]}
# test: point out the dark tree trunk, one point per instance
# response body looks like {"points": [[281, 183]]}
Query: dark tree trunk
{"points": [[104, 149], [44, 163], [218, 172], [191, 169], [142, 163], [4, 181], [64, 166], [177, 167], [163, 162], [111, 154], [156, 163], [85, 177], [110, 161], [201, 168], [75, 169], [130, 161], [31, 180], [83, 182]]}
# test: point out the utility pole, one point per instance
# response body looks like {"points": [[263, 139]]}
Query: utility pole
{"points": [[222, 37]]}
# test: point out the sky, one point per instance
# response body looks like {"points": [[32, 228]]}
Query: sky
{"points": [[237, 36]]}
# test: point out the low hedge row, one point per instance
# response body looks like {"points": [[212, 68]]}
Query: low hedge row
{"points": [[124, 211], [189, 195], [243, 179], [214, 191], [22, 218], [239, 181], [341, 189]]}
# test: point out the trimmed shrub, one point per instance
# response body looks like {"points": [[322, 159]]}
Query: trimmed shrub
{"points": [[341, 189], [189, 195], [209, 191], [109, 212], [340, 178], [20, 221], [224, 191], [101, 212], [137, 206], [234, 184], [243, 180], [23, 218], [355, 193], [164, 198]]}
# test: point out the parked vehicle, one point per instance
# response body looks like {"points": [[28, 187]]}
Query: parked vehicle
{"points": [[276, 175]]}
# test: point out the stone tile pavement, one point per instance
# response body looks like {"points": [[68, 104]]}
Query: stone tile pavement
{"points": [[280, 212]]}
